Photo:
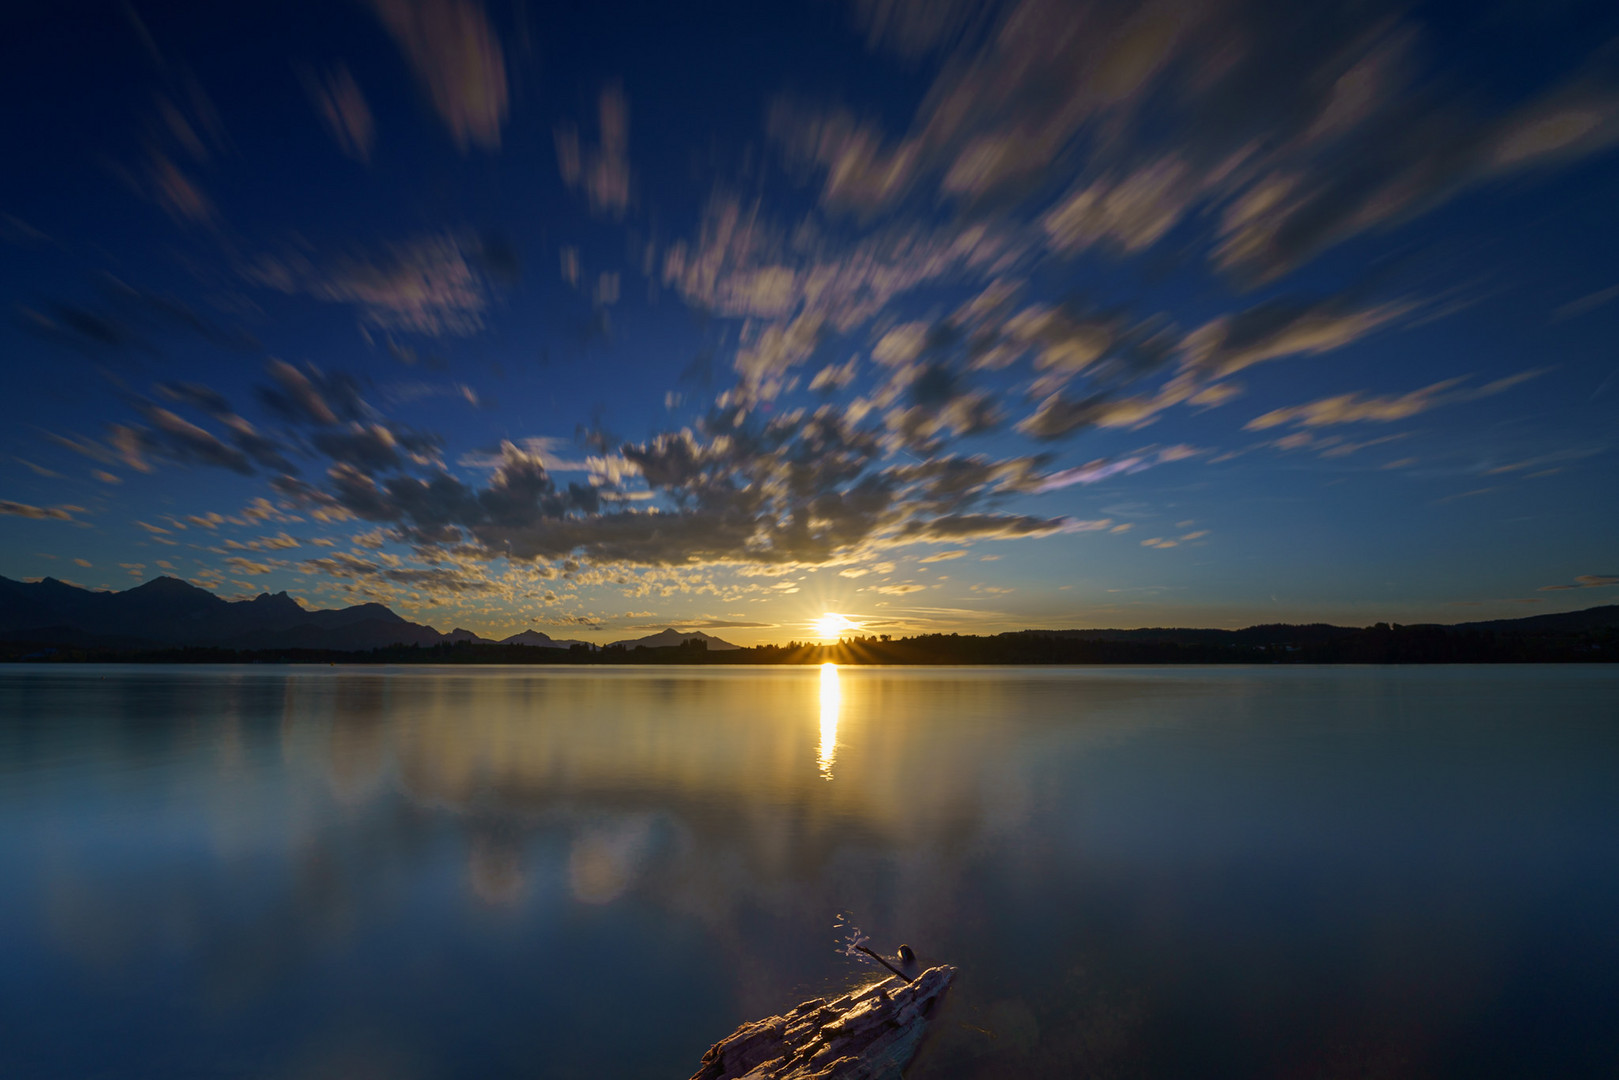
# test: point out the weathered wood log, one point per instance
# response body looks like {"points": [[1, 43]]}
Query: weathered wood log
{"points": [[870, 1034]]}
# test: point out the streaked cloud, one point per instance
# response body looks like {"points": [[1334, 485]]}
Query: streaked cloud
{"points": [[602, 170], [1278, 329], [1358, 408], [457, 57], [343, 109], [176, 192], [1588, 302], [433, 284], [38, 513], [1586, 581]]}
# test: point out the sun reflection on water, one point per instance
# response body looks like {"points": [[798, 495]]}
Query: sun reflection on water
{"points": [[831, 700]]}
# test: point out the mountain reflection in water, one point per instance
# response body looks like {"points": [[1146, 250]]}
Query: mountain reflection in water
{"points": [[451, 872]]}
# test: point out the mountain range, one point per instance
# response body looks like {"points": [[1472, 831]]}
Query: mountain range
{"points": [[168, 612]]}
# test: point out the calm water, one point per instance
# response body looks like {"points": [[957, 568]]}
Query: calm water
{"points": [[433, 873]]}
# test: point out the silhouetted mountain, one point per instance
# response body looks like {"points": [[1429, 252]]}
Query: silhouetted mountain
{"points": [[167, 619], [459, 634], [670, 638], [540, 641], [1596, 618], [169, 612]]}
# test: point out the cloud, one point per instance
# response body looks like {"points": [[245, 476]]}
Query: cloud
{"points": [[1409, 156], [1282, 328], [177, 439], [944, 555], [1355, 408], [432, 284], [913, 28], [309, 395], [1092, 472], [703, 624], [195, 395], [1589, 302], [1060, 414], [341, 105], [126, 318], [37, 513], [374, 448], [1128, 121], [982, 527], [39, 470], [435, 579], [457, 57], [793, 488], [176, 192], [1108, 357], [1351, 408], [1127, 213], [1586, 581], [835, 376], [793, 287], [602, 170]]}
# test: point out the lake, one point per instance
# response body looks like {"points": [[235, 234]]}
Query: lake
{"points": [[419, 873]]}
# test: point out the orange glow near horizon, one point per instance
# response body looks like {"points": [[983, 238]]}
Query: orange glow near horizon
{"points": [[831, 702]]}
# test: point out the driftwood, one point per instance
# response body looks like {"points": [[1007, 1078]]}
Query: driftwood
{"points": [[870, 1034]]}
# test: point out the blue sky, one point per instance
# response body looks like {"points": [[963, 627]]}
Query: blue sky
{"points": [[939, 315]]}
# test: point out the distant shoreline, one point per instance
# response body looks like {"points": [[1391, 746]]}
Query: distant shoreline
{"points": [[167, 620], [1379, 644]]}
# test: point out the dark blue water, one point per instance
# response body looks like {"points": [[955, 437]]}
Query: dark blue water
{"points": [[450, 873]]}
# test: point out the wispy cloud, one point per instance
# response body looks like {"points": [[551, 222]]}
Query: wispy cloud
{"points": [[457, 57], [1586, 581], [343, 109], [433, 284], [1357, 408], [602, 170], [38, 513]]}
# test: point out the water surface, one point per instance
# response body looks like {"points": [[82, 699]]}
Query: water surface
{"points": [[317, 872]]}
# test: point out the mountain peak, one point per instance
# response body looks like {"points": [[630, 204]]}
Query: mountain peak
{"points": [[540, 639], [166, 586], [669, 637], [278, 603]]}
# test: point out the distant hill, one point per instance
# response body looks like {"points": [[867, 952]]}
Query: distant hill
{"points": [[670, 637], [459, 634], [538, 640], [1597, 618], [167, 612]]}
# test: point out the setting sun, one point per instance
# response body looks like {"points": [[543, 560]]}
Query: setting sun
{"points": [[832, 624]]}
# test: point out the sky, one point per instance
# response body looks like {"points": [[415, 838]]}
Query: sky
{"points": [[938, 315]]}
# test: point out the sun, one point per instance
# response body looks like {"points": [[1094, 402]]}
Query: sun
{"points": [[831, 624]]}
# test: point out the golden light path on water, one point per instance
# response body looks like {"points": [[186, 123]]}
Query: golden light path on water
{"points": [[831, 701]]}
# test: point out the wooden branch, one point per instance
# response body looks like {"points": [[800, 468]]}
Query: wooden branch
{"points": [[870, 1034]]}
